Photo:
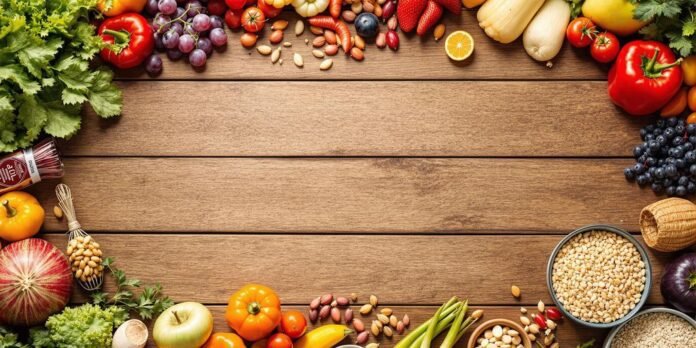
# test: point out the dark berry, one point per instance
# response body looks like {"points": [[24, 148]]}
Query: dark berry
{"points": [[681, 191], [690, 157], [678, 141], [638, 151], [691, 187], [669, 133], [642, 180], [680, 163], [692, 169], [670, 190], [691, 129], [680, 129], [657, 188], [683, 181], [672, 121], [639, 168], [629, 174], [670, 170], [660, 173], [661, 139]]}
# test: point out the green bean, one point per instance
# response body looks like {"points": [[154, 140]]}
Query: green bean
{"points": [[443, 324], [415, 334], [451, 337]]}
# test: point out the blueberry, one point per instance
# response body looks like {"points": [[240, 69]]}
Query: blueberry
{"points": [[683, 181], [688, 146], [680, 163], [669, 133], [643, 132], [670, 170], [637, 151], [654, 146], [642, 180], [691, 129], [672, 121], [680, 129], [661, 139], [639, 168], [692, 169], [657, 131], [692, 139], [657, 188], [667, 182], [690, 157], [681, 191], [367, 24], [629, 174], [660, 123], [678, 141], [659, 173], [670, 190], [649, 137], [651, 161], [691, 187]]}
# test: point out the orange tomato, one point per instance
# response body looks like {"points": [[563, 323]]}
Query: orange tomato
{"points": [[21, 216], [224, 340], [691, 99], [279, 340], [676, 105], [253, 312], [691, 118], [293, 324]]}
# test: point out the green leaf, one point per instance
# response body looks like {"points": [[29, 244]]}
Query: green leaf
{"points": [[76, 77], [61, 122], [104, 97], [689, 27], [647, 10], [32, 116], [72, 97], [36, 58], [16, 74], [6, 103], [681, 44]]}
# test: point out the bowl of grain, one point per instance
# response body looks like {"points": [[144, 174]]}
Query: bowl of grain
{"points": [[656, 327], [599, 276]]}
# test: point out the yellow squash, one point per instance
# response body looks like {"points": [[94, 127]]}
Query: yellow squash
{"points": [[613, 15], [323, 337]]}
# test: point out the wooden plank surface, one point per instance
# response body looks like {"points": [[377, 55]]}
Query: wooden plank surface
{"points": [[569, 334], [347, 195], [423, 270], [362, 119], [417, 59]]}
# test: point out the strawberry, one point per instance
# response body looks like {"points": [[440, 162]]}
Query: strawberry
{"points": [[408, 12], [430, 16], [454, 6]]}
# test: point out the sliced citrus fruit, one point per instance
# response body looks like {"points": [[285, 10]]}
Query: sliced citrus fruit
{"points": [[459, 45]]}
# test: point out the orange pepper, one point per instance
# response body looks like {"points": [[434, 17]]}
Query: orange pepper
{"points": [[253, 312], [691, 119], [691, 99], [112, 8], [224, 340], [676, 105], [22, 218]]}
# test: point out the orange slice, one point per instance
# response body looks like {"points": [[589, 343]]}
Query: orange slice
{"points": [[459, 45]]}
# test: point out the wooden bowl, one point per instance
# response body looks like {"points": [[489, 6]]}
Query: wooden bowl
{"points": [[502, 322]]}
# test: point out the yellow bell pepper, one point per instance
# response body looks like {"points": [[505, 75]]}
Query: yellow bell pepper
{"points": [[112, 8], [615, 16], [278, 3], [472, 3], [688, 66], [22, 216]]}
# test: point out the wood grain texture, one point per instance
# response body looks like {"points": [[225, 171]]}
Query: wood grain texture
{"points": [[417, 59], [347, 195], [362, 119], [569, 334], [425, 270]]}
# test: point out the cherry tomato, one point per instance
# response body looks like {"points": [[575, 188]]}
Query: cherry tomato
{"points": [[233, 19], [269, 10], [217, 7], [235, 4], [293, 323], [250, 2], [253, 19], [605, 48], [581, 32], [279, 340]]}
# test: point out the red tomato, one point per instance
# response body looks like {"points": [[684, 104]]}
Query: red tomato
{"points": [[581, 32], [233, 19], [269, 10], [250, 2], [293, 323], [279, 340], [605, 48], [235, 4], [253, 19], [217, 7]]}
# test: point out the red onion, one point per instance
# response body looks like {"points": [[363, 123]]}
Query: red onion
{"points": [[35, 282], [678, 285]]}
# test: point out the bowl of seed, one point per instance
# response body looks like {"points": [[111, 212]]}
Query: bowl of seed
{"points": [[599, 276], [499, 333], [655, 327]]}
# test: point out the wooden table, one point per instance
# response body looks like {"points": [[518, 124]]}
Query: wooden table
{"points": [[407, 176]]}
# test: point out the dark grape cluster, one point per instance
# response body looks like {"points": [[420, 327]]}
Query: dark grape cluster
{"points": [[183, 27], [666, 160]]}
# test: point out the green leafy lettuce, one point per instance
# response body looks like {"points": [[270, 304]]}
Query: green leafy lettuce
{"points": [[45, 73], [86, 326], [672, 21]]}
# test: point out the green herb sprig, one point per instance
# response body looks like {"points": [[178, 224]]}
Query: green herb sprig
{"points": [[672, 21], [149, 303]]}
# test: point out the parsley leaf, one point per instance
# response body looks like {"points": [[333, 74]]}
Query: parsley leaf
{"points": [[673, 21]]}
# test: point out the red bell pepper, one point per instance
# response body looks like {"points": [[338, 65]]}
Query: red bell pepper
{"points": [[645, 77], [129, 40]]}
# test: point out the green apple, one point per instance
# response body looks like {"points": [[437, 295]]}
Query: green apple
{"points": [[185, 325]]}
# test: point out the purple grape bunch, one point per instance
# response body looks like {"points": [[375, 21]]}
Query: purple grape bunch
{"points": [[183, 28]]}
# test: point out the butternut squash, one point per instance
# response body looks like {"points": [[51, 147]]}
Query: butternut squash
{"points": [[505, 20]]}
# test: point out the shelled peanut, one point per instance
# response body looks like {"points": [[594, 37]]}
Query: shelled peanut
{"points": [[384, 322], [85, 256], [541, 327]]}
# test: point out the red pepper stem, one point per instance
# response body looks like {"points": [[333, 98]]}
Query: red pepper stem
{"points": [[120, 36], [653, 70]]}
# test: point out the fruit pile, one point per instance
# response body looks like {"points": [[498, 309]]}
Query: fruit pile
{"points": [[188, 30], [666, 160]]}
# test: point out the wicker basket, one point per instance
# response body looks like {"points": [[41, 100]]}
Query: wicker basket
{"points": [[669, 225]]}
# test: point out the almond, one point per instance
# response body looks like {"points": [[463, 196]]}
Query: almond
{"points": [[58, 212], [386, 311], [299, 61], [358, 325], [335, 312], [331, 50], [366, 308], [356, 7], [348, 16], [316, 30], [326, 65], [266, 50], [330, 37], [357, 54], [276, 36], [515, 290], [359, 42], [280, 24], [368, 7], [438, 33], [319, 41], [275, 56], [318, 53]]}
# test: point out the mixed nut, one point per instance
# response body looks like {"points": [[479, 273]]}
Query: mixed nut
{"points": [[540, 327], [500, 336], [385, 321]]}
